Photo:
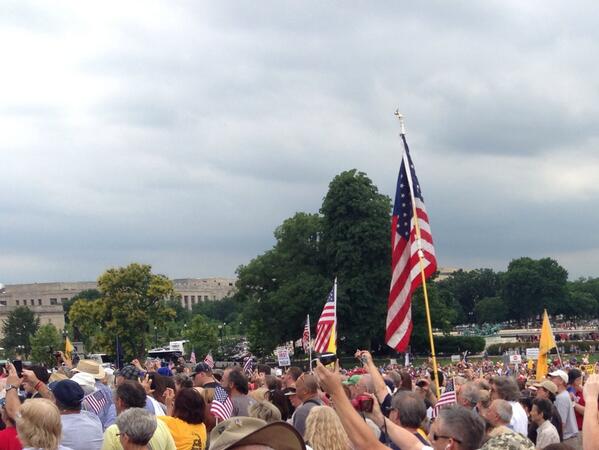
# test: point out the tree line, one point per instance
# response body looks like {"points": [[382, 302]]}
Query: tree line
{"points": [[348, 239]]}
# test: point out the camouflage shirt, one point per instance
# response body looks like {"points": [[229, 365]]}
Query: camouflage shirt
{"points": [[506, 439]]}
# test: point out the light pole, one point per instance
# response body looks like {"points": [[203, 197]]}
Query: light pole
{"points": [[155, 336]]}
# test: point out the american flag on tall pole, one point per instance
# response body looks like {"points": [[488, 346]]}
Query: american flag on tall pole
{"points": [[327, 324], [208, 360], [405, 245], [306, 335], [221, 406]]}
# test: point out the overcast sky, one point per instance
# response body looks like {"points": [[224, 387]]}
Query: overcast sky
{"points": [[180, 134]]}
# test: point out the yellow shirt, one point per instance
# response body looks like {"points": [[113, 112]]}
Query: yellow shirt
{"points": [[187, 436], [161, 440]]}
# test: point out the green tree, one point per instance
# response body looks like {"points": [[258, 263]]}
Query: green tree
{"points": [[44, 343], [580, 305], [529, 286], [133, 301], [443, 317], [468, 287], [202, 335], [491, 310], [86, 295], [20, 324], [281, 286], [356, 248]]}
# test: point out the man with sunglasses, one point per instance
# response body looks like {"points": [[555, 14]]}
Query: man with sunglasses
{"points": [[456, 428]]}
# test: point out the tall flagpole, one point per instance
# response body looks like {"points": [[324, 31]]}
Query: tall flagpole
{"points": [[335, 300], [406, 163]]}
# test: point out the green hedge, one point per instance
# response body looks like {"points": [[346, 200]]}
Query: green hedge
{"points": [[569, 346], [451, 345]]}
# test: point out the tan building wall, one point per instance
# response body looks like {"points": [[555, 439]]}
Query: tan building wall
{"points": [[46, 299], [197, 290]]}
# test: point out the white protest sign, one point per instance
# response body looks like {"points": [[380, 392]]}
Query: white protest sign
{"points": [[456, 358], [532, 353], [515, 359], [283, 357]]}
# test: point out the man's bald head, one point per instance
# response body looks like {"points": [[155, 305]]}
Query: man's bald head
{"points": [[306, 386]]}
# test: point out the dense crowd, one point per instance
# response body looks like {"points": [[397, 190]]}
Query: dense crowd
{"points": [[466, 405]]}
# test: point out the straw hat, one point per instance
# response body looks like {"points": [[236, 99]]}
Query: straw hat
{"points": [[92, 367]]}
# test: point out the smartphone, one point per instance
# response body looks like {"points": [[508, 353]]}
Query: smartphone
{"points": [[18, 367], [327, 358]]}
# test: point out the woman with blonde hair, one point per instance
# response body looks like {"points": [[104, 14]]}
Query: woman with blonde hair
{"points": [[324, 430], [39, 425]]}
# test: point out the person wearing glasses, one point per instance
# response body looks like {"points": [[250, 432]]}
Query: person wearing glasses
{"points": [[456, 427]]}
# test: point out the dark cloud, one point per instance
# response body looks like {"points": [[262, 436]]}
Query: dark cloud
{"points": [[182, 135]]}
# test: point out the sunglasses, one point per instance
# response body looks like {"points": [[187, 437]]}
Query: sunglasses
{"points": [[436, 437]]}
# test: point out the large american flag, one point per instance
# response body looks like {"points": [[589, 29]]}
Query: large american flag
{"points": [[326, 323], [209, 360], [447, 398], [405, 263], [221, 407]]}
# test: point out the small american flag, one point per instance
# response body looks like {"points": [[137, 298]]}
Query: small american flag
{"points": [[95, 402], [248, 365], [447, 398], [192, 357], [208, 360], [325, 328], [306, 335], [221, 407], [407, 242]]}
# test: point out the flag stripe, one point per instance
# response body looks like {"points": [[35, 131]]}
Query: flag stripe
{"points": [[405, 262]]}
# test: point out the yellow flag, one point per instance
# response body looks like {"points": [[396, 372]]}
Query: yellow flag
{"points": [[546, 343], [332, 347], [68, 348]]}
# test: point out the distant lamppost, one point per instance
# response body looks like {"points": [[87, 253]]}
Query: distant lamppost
{"points": [[220, 331], [155, 337]]}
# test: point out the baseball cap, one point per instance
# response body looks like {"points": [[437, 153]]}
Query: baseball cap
{"points": [[352, 381], [560, 373], [239, 431], [68, 393], [202, 367], [84, 379], [130, 373], [547, 385]]}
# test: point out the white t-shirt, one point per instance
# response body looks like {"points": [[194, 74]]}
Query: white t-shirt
{"points": [[519, 422]]}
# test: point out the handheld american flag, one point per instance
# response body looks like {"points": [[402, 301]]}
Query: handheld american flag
{"points": [[248, 365], [209, 360], [222, 406], [405, 245], [306, 335], [327, 324], [447, 398]]}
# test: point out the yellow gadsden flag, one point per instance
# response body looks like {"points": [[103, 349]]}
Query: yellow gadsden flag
{"points": [[332, 347], [546, 343], [68, 348]]}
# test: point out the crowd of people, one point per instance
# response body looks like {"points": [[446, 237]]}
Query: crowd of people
{"points": [[482, 405]]}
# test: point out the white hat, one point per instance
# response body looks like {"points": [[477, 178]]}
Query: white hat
{"points": [[84, 379], [560, 373]]}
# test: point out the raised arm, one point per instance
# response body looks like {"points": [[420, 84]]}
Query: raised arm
{"points": [[380, 388], [590, 423], [356, 428]]}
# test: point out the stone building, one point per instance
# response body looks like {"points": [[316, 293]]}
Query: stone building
{"points": [[46, 299]]}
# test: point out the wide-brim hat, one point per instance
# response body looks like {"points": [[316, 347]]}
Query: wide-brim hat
{"points": [[92, 367], [239, 431]]}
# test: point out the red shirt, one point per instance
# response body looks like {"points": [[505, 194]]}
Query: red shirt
{"points": [[579, 399], [9, 439]]}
